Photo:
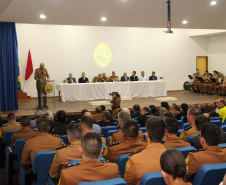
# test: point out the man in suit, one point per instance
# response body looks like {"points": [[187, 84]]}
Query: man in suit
{"points": [[83, 79], [70, 79], [124, 77], [134, 77], [153, 77]]}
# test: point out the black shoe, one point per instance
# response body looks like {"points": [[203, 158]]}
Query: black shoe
{"points": [[39, 108], [46, 106], [210, 93]]}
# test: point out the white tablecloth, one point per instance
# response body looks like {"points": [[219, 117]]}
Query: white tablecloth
{"points": [[96, 91]]}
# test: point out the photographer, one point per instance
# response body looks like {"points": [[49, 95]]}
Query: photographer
{"points": [[116, 100]]}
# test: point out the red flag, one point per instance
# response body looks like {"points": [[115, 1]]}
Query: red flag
{"points": [[29, 69]]}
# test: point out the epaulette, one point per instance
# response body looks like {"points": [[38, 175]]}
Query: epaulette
{"points": [[74, 164], [199, 150], [224, 146], [29, 137], [135, 152], [144, 140], [62, 147], [107, 161], [55, 135], [113, 144], [4, 125], [163, 141], [188, 128]]}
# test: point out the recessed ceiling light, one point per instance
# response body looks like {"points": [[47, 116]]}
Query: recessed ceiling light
{"points": [[184, 22], [42, 16], [104, 19], [213, 3]]}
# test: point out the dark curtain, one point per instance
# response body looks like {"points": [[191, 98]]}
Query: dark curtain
{"points": [[9, 68]]}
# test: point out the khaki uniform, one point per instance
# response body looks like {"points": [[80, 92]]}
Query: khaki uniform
{"points": [[189, 131], [148, 160], [13, 126], [105, 79], [181, 183], [220, 89], [175, 142], [115, 106], [206, 81], [117, 137], [195, 81], [40, 85], [25, 132], [96, 79], [174, 112], [210, 87], [196, 159], [63, 156], [114, 79], [39, 143], [97, 116], [114, 150], [87, 171]]}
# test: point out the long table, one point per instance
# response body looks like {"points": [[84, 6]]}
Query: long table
{"points": [[97, 91]]}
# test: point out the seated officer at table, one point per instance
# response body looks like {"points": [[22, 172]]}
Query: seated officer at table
{"points": [[124, 78], [129, 144], [105, 78], [133, 77], [71, 79], [42, 142], [90, 168], [153, 77], [142, 77], [212, 153], [97, 78], [83, 79], [113, 78]]}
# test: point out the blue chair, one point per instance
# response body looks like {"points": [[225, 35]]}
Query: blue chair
{"points": [[216, 118], [182, 117], [144, 135], [65, 139], [116, 181], [121, 162], [216, 122], [13, 159], [210, 174], [180, 123], [143, 129], [110, 132], [152, 178], [185, 125], [179, 132], [222, 144], [106, 129], [223, 127], [39, 171], [185, 150], [72, 121]]}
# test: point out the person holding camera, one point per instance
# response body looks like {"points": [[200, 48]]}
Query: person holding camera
{"points": [[116, 100]]}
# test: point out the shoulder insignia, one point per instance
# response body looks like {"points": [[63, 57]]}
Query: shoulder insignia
{"points": [[136, 152], [224, 146], [188, 128], [199, 150], [64, 146], [4, 125], [74, 164], [29, 137], [113, 144], [107, 161], [55, 135], [163, 141]]}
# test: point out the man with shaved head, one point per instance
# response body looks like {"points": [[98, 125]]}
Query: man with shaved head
{"points": [[124, 77], [83, 79], [71, 79], [41, 75], [105, 78]]}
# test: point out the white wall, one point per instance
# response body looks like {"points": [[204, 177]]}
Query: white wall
{"points": [[66, 49], [217, 53]]}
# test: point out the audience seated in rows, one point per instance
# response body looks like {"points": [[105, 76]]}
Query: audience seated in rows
{"points": [[105, 119], [98, 114], [96, 128], [136, 112], [183, 112], [38, 115], [174, 109], [145, 114], [60, 126], [164, 112]]}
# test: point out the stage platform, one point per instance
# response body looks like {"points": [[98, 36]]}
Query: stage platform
{"points": [[75, 107]]}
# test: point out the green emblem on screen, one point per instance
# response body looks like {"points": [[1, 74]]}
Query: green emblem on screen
{"points": [[102, 55], [48, 88]]}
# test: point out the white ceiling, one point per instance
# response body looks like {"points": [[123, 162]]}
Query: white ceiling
{"points": [[125, 13]]}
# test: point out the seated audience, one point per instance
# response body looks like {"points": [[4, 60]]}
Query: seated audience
{"points": [[212, 153], [38, 115], [96, 127], [113, 78], [153, 77], [172, 140], [42, 142], [90, 168], [165, 105], [173, 167], [83, 79], [212, 110], [147, 160], [199, 122], [25, 130], [71, 79], [202, 108], [222, 109], [191, 130], [125, 110], [136, 112], [154, 111], [164, 112], [183, 112], [67, 153], [123, 117], [60, 127], [103, 107], [145, 114], [124, 77], [142, 77], [11, 126], [133, 77], [105, 120], [49, 116], [98, 114], [173, 109]]}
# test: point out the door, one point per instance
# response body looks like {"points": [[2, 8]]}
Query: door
{"points": [[202, 64]]}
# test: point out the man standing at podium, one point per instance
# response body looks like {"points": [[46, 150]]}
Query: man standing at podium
{"points": [[41, 75]]}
